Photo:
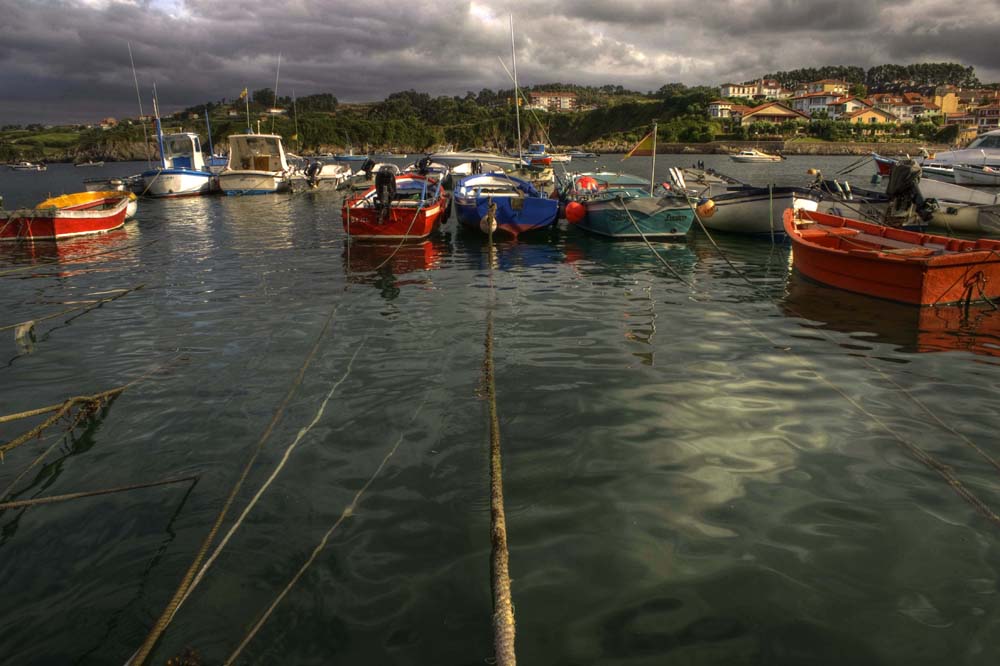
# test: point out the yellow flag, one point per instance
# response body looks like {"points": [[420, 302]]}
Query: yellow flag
{"points": [[644, 148], [243, 95], [294, 137]]}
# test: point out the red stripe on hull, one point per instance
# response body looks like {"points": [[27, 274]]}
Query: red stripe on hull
{"points": [[18, 227], [401, 222]]}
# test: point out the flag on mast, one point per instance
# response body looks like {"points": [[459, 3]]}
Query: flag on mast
{"points": [[644, 148], [243, 95]]}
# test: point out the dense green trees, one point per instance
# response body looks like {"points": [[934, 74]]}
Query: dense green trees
{"points": [[883, 77]]}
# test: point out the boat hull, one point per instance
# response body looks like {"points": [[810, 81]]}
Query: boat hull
{"points": [[252, 182], [976, 176], [655, 217], [893, 264], [402, 222], [162, 183], [96, 214], [514, 216], [755, 211]]}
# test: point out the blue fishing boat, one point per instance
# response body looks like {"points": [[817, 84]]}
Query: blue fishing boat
{"points": [[620, 205], [519, 206], [182, 171]]}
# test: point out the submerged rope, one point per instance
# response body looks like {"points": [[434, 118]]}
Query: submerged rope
{"points": [[171, 608], [86, 308], [17, 504], [503, 608]]}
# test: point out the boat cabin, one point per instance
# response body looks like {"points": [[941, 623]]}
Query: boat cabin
{"points": [[256, 152], [535, 149], [182, 151]]}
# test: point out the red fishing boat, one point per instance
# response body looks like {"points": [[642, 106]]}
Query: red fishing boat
{"points": [[404, 206], [67, 215], [891, 263]]}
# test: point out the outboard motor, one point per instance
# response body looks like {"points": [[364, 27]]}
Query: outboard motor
{"points": [[385, 191], [367, 167], [477, 167], [903, 189], [312, 173], [423, 165]]}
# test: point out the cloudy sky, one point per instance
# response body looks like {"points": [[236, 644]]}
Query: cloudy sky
{"points": [[67, 60]]}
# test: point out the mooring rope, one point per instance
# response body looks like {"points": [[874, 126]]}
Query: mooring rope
{"points": [[52, 499], [86, 308], [277, 470], [503, 608], [181, 592]]}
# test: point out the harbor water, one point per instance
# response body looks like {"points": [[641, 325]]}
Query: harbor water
{"points": [[741, 468]]}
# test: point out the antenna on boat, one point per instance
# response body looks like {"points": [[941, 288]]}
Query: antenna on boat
{"points": [[652, 171], [159, 128], [142, 116], [276, 75], [295, 115], [517, 91]]}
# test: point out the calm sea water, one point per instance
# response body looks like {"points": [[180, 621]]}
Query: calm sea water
{"points": [[724, 475]]}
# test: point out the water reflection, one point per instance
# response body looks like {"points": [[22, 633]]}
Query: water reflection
{"points": [[381, 264], [89, 249], [909, 328], [625, 258]]}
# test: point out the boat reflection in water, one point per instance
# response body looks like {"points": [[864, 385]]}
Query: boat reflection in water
{"points": [[910, 328], [90, 250], [383, 264]]}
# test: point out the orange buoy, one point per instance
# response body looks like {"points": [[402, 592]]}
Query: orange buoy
{"points": [[575, 212]]}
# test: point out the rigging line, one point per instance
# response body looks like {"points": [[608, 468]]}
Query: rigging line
{"points": [[145, 133], [86, 308], [645, 240], [142, 653], [277, 470], [345, 514]]}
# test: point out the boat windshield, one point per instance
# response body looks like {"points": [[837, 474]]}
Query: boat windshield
{"points": [[986, 141]]}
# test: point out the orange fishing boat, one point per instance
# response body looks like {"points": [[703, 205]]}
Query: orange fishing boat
{"points": [[890, 263], [67, 215], [405, 206]]}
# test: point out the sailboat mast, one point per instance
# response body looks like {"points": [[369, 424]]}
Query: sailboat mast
{"points": [[208, 128], [159, 128], [652, 172], [138, 97], [276, 75], [517, 100]]}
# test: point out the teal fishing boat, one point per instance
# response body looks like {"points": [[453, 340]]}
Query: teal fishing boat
{"points": [[620, 205]]}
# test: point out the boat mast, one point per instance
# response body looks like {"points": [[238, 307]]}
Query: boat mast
{"points": [[138, 97], [159, 129], [517, 91], [208, 128], [652, 172], [276, 75]]}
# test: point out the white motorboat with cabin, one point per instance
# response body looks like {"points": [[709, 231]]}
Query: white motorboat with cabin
{"points": [[983, 151], [182, 171], [28, 166], [257, 165], [754, 155]]}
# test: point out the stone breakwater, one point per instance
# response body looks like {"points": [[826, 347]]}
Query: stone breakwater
{"points": [[785, 147]]}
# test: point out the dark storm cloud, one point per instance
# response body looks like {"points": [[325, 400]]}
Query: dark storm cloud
{"points": [[63, 60]]}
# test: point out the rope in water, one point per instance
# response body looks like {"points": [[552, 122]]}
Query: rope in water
{"points": [[503, 608], [171, 608], [932, 463], [91, 402], [86, 308], [17, 504]]}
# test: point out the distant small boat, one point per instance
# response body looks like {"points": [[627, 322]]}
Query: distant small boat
{"points": [[400, 207], [28, 166], [89, 163], [580, 154], [890, 263], [755, 155], [68, 215], [114, 184]]}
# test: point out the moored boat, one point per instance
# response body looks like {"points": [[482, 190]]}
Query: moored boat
{"points": [[517, 206], [315, 175], [894, 264], [404, 206], [67, 215], [754, 155], [257, 165], [756, 210], [182, 171], [620, 206], [980, 176], [89, 163], [28, 166]]}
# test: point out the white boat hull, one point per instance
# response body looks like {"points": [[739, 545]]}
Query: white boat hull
{"points": [[755, 213], [167, 184], [252, 182], [976, 176]]}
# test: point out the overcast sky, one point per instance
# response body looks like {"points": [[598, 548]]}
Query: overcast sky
{"points": [[67, 60]]}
